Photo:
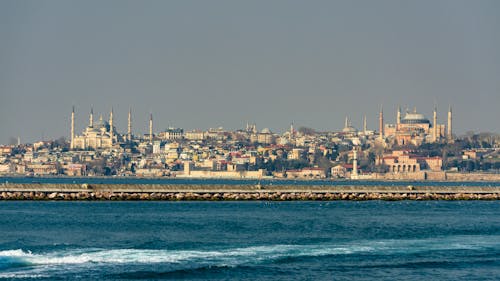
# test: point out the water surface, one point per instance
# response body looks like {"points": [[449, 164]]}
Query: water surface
{"points": [[338, 240]]}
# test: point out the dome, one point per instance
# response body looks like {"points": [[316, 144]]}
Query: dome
{"points": [[266, 131], [415, 118], [349, 129]]}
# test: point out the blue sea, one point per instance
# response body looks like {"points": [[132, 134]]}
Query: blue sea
{"points": [[339, 240]]}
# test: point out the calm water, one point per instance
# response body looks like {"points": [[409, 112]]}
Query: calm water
{"points": [[134, 180], [250, 240]]}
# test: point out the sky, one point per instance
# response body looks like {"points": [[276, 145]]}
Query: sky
{"points": [[202, 64]]}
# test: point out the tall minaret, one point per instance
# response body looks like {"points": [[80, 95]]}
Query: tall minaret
{"points": [[129, 127], [91, 119], [364, 125], [449, 134], [381, 123], [398, 116], [434, 126], [151, 127], [346, 122], [292, 131], [72, 144], [111, 125]]}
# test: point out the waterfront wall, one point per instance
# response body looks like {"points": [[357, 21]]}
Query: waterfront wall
{"points": [[243, 192], [472, 177], [437, 176]]}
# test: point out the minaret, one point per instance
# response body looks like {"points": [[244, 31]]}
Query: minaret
{"points": [[91, 119], [381, 123], [449, 134], [291, 131], [364, 125], [72, 144], [354, 174], [151, 127], [434, 126], [111, 126], [129, 127], [398, 116]]}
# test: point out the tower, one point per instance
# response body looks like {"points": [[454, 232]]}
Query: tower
{"points": [[449, 134], [434, 126], [151, 127], [398, 116], [129, 127], [111, 126], [354, 163], [381, 123], [346, 122], [72, 144], [364, 125], [91, 118]]}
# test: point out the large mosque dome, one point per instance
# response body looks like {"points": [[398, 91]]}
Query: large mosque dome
{"points": [[266, 131], [415, 118], [349, 129]]}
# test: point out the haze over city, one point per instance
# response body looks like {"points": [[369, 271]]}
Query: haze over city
{"points": [[201, 64]]}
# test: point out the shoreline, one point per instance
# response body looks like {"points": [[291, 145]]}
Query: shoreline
{"points": [[221, 192], [456, 177]]}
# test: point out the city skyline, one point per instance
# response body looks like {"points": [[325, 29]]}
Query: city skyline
{"points": [[198, 65], [92, 117]]}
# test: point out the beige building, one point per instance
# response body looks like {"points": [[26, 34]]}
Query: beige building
{"points": [[172, 134], [42, 169], [264, 137], [341, 171], [195, 135], [404, 162], [233, 172], [306, 173], [96, 135]]}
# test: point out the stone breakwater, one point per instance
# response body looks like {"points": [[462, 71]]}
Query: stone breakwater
{"points": [[126, 192], [245, 196]]}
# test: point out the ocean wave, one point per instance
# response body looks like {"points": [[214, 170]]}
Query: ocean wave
{"points": [[22, 276], [233, 257]]}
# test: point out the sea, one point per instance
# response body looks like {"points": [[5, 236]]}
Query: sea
{"points": [[258, 240], [211, 181]]}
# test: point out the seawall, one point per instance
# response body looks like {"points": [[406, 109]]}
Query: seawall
{"points": [[11, 191]]}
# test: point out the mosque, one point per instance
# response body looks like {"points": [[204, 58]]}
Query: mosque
{"points": [[101, 134], [414, 128]]}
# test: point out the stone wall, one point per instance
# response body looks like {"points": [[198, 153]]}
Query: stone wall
{"points": [[472, 177], [242, 192], [400, 176], [240, 196]]}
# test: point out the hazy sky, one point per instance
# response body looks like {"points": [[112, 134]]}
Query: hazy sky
{"points": [[200, 64]]}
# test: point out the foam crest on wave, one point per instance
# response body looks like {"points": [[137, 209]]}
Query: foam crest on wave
{"points": [[244, 255], [138, 256]]}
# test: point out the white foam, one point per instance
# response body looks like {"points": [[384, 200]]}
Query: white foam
{"points": [[245, 255], [21, 276], [14, 253]]}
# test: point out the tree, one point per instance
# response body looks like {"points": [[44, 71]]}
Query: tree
{"points": [[307, 131]]}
